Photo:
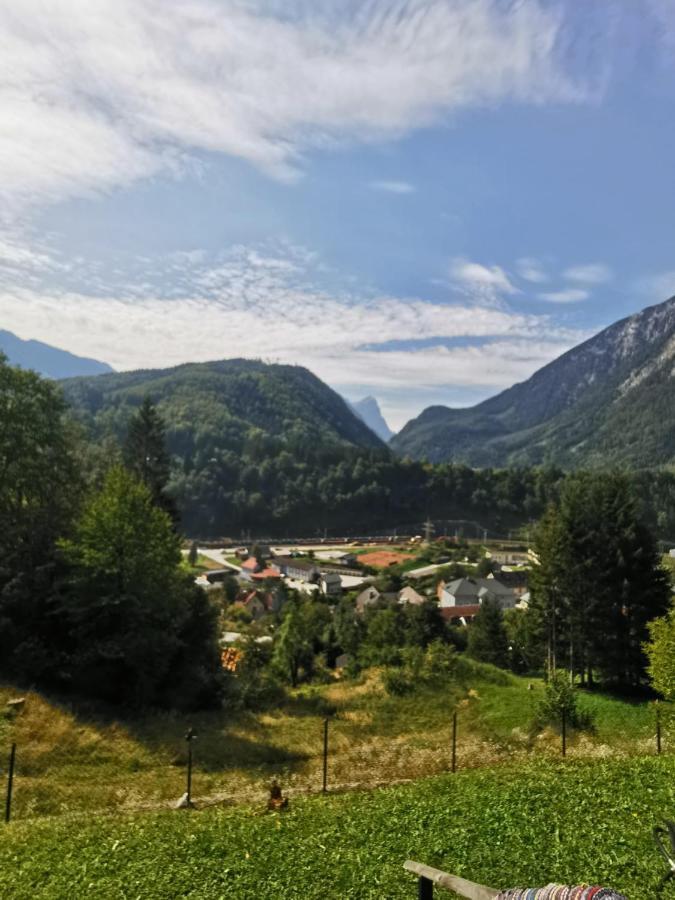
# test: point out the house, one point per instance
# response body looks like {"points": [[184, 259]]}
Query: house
{"points": [[252, 604], [331, 584], [274, 599], [346, 559], [408, 595], [249, 567], [269, 572], [460, 615], [509, 557], [472, 591], [251, 570], [372, 597], [217, 576], [301, 569]]}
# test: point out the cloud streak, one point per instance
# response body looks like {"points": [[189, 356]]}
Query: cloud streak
{"points": [[96, 95], [393, 187]]}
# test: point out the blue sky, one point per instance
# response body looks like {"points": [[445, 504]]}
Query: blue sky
{"points": [[424, 201]]}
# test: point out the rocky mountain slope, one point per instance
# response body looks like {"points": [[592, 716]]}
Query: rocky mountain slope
{"points": [[609, 401], [368, 410]]}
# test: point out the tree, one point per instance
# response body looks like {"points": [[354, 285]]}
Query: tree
{"points": [[599, 580], [193, 553], [660, 652], [134, 617], [292, 646], [487, 636], [146, 456], [486, 567], [40, 488], [347, 627]]}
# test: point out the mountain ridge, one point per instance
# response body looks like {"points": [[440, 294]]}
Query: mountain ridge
{"points": [[52, 362], [601, 401]]}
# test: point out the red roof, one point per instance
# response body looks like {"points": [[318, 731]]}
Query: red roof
{"points": [[458, 612], [251, 564], [268, 573]]}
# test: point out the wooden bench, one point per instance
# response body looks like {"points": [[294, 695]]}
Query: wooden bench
{"points": [[427, 877]]}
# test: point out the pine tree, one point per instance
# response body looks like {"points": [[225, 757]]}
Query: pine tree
{"points": [[146, 456], [488, 641], [599, 580]]}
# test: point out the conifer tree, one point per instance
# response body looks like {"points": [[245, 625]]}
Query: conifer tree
{"points": [[146, 456], [488, 641], [599, 581]]}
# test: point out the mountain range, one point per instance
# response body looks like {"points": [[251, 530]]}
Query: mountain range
{"points": [[608, 401], [47, 360]]}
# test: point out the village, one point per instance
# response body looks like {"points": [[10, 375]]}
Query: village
{"points": [[452, 576]]}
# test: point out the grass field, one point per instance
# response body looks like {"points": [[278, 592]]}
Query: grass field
{"points": [[516, 824], [75, 760]]}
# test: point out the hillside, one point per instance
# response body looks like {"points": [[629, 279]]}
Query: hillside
{"points": [[47, 360], [92, 796], [524, 824], [607, 401], [225, 398], [251, 442], [137, 762]]}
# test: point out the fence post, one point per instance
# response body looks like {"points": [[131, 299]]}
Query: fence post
{"points": [[189, 737], [425, 889], [10, 783], [325, 756], [564, 731], [658, 727], [454, 741]]}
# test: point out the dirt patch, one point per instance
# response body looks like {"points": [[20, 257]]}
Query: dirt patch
{"points": [[382, 559]]}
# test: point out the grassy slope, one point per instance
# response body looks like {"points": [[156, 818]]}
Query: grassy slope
{"points": [[73, 761], [517, 824]]}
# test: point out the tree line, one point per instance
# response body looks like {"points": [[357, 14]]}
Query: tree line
{"points": [[93, 595]]}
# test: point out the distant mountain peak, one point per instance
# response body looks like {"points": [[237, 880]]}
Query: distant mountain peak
{"points": [[47, 360], [368, 410]]}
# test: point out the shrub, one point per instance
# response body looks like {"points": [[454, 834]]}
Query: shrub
{"points": [[397, 683], [561, 697]]}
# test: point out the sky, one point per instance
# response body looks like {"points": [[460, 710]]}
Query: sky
{"points": [[422, 200]]}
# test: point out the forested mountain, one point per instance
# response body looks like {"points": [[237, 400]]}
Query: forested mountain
{"points": [[223, 403], [609, 401], [368, 409], [46, 360], [272, 450]]}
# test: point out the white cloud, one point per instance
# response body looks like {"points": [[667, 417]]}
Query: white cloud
{"points": [[567, 295], [95, 94], [531, 270], [589, 273], [486, 284], [268, 303], [393, 187]]}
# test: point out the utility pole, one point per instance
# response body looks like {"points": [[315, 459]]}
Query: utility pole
{"points": [[428, 530]]}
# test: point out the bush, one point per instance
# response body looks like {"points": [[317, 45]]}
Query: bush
{"points": [[397, 683], [561, 697]]}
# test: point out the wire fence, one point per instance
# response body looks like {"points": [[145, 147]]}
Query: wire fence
{"points": [[329, 755]]}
